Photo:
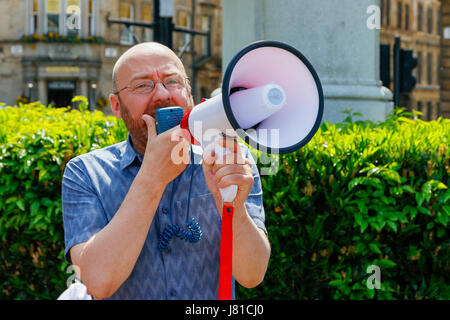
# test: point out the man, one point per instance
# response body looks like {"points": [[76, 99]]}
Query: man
{"points": [[117, 200]]}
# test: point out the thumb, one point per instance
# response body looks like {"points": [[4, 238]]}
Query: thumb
{"points": [[151, 124]]}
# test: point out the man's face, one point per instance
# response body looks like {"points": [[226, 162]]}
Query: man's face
{"points": [[131, 106]]}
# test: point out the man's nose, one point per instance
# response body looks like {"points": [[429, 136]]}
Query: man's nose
{"points": [[160, 92]]}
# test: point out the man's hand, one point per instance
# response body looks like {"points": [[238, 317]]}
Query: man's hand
{"points": [[167, 154], [231, 169]]}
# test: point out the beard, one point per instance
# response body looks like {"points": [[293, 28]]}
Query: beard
{"points": [[136, 126]]}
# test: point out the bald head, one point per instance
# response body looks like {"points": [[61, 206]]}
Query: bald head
{"points": [[151, 50]]}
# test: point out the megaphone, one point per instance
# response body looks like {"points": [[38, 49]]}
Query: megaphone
{"points": [[268, 85], [272, 98]]}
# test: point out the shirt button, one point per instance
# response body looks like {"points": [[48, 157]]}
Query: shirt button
{"points": [[173, 292], [165, 211]]}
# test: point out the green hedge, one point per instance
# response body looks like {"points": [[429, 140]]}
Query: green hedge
{"points": [[35, 144], [359, 194]]}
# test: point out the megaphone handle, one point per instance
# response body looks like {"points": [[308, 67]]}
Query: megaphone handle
{"points": [[226, 235], [229, 193]]}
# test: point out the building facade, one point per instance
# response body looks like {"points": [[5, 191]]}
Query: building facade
{"points": [[418, 24], [445, 59], [52, 50]]}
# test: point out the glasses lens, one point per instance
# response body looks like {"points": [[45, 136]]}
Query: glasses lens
{"points": [[143, 86], [174, 82]]}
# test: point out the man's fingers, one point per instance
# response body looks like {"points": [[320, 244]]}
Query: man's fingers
{"points": [[209, 157], [230, 169], [151, 124], [236, 179], [229, 143]]}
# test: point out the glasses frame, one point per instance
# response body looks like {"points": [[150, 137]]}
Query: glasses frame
{"points": [[154, 85]]}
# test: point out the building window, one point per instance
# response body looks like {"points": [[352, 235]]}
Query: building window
{"points": [[206, 26], [147, 16], [429, 68], [429, 110], [399, 15], [419, 67], [419, 107], [72, 18], [438, 23], [52, 16], [91, 17], [438, 69], [388, 12], [420, 17], [430, 20], [127, 14], [406, 17], [34, 16], [184, 20]]}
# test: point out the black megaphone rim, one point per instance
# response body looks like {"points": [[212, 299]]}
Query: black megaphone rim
{"points": [[229, 111]]}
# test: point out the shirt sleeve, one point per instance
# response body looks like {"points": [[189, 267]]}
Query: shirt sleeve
{"points": [[254, 202], [83, 213]]}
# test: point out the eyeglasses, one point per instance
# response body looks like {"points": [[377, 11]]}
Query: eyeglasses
{"points": [[145, 86]]}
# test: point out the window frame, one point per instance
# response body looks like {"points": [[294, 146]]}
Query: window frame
{"points": [[130, 30], [91, 18], [420, 17], [399, 15], [185, 37], [65, 15], [46, 31], [429, 68], [206, 45], [147, 33], [33, 17], [407, 16], [430, 15]]}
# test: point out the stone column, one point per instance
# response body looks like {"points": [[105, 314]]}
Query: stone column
{"points": [[84, 88], [332, 34], [42, 91]]}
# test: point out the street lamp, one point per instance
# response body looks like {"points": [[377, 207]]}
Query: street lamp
{"points": [[30, 88], [92, 105]]}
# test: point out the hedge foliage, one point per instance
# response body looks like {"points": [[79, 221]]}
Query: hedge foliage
{"points": [[361, 194], [35, 144], [358, 194]]}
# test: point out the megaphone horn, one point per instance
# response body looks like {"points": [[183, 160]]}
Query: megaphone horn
{"points": [[248, 106]]}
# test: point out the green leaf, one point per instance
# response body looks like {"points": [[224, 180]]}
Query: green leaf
{"points": [[392, 225], [34, 207], [424, 210], [408, 189], [336, 283], [374, 248], [20, 204], [420, 198], [385, 263]]}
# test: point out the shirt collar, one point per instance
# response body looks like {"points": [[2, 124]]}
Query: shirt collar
{"points": [[129, 154]]}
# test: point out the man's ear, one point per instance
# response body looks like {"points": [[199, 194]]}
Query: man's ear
{"points": [[115, 105]]}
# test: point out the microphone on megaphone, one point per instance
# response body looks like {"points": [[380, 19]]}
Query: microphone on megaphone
{"points": [[268, 86]]}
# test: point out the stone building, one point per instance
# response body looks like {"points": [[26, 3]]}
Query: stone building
{"points": [[52, 50], [418, 24], [445, 59]]}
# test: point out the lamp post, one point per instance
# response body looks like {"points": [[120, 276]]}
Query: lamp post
{"points": [[92, 104], [30, 89]]}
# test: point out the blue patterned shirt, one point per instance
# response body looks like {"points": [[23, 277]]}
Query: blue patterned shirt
{"points": [[93, 188]]}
